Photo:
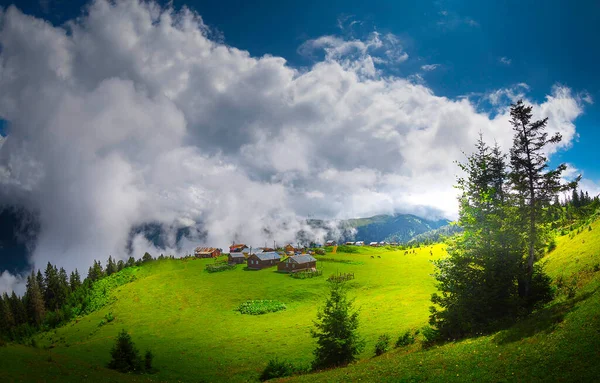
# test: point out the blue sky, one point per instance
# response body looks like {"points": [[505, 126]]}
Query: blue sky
{"points": [[478, 46]]}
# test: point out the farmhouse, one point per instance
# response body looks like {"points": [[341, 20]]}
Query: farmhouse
{"points": [[331, 243], [207, 252], [359, 243], [289, 248], [262, 260], [237, 248], [236, 258], [297, 263], [349, 243], [374, 244]]}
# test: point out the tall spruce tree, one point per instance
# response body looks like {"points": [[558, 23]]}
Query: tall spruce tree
{"points": [[478, 278], [74, 280], [533, 185], [52, 292], [35, 301], [6, 316], [338, 342], [18, 309], [111, 266]]}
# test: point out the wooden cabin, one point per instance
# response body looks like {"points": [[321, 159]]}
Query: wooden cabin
{"points": [[262, 260], [207, 252], [287, 248], [297, 263], [237, 248], [236, 258]]}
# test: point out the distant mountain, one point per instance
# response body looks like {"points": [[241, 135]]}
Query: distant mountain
{"points": [[436, 235], [392, 228]]}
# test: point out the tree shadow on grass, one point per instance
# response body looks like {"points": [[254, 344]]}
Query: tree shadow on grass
{"points": [[541, 321]]}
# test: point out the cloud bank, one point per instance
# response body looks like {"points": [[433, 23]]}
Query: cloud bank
{"points": [[133, 114]]}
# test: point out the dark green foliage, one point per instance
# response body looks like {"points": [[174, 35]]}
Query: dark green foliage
{"points": [[215, 268], [340, 277], [306, 274], [551, 244], [125, 357], [541, 290], [406, 339], [383, 344], [147, 257], [259, 307], [111, 266], [430, 335], [338, 342], [74, 280], [277, 369], [109, 317], [130, 262], [148, 357], [120, 265], [35, 302]]}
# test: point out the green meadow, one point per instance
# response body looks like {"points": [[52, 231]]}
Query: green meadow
{"points": [[188, 318]]}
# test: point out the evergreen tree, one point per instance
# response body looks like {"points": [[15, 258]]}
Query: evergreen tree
{"points": [[18, 309], [120, 265], [6, 315], [534, 187], [41, 281], [575, 201], [53, 293], [147, 257], [124, 355], [130, 262], [35, 301], [111, 266], [477, 279], [338, 342], [63, 288], [74, 280]]}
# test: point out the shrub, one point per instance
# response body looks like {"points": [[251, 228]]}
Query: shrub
{"points": [[346, 249], [109, 317], [551, 245], [102, 323], [596, 267], [215, 268], [430, 335], [148, 361], [541, 290], [590, 228], [277, 369], [382, 345], [405, 339], [320, 251], [259, 307], [124, 355]]}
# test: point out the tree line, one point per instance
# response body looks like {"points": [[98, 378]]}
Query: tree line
{"points": [[53, 297]]}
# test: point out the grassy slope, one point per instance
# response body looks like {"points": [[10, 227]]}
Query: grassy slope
{"points": [[186, 317], [558, 343]]}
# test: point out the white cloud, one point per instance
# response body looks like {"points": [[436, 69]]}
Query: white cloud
{"points": [[505, 60], [135, 115], [430, 67]]}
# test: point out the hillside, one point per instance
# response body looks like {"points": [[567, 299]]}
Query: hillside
{"points": [[186, 317], [392, 228]]}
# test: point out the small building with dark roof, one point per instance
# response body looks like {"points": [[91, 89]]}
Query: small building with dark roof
{"points": [[236, 258], [297, 263], [207, 252], [261, 260], [237, 248]]}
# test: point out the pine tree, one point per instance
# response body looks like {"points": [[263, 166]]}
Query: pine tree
{"points": [[575, 199], [52, 292], [18, 309], [124, 355], [477, 279], [111, 266], [338, 342], [63, 288], [120, 265], [74, 280], [6, 315], [35, 301], [534, 187], [130, 262], [41, 282]]}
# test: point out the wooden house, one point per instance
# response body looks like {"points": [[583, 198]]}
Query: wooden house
{"points": [[331, 243], [287, 248], [237, 248], [261, 260], [374, 244], [236, 258], [359, 243], [349, 243], [207, 252], [297, 263]]}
